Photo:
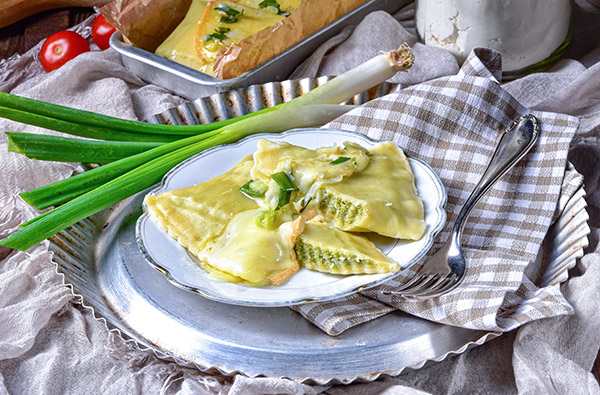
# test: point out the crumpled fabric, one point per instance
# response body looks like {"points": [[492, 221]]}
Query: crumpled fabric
{"points": [[57, 346]]}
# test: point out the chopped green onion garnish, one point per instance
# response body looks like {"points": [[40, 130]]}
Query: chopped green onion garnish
{"points": [[284, 181], [230, 15], [216, 36], [286, 186], [272, 6], [223, 9], [229, 19], [268, 3], [254, 188], [283, 197], [339, 160], [219, 34], [266, 219]]}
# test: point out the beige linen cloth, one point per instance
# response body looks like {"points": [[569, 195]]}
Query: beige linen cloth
{"points": [[50, 344]]}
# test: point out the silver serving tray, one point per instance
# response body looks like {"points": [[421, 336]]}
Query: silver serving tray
{"points": [[193, 84], [101, 262]]}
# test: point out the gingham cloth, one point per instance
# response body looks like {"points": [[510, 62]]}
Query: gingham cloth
{"points": [[454, 124]]}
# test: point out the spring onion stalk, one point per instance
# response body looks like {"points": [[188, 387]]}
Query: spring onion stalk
{"points": [[152, 171], [358, 79], [130, 175], [77, 129], [65, 149], [69, 188], [26, 110]]}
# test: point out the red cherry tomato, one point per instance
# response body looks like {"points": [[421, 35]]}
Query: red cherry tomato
{"points": [[101, 32], [61, 47]]}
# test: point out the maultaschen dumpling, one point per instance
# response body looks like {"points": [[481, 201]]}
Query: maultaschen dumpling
{"points": [[324, 248], [381, 199], [196, 215], [287, 207], [251, 254]]}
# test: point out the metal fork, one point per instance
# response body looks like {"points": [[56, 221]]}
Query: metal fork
{"points": [[445, 270]]}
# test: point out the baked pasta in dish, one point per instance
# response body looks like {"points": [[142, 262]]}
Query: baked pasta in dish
{"points": [[225, 38]]}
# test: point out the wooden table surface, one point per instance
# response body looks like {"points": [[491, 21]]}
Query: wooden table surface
{"points": [[21, 36]]}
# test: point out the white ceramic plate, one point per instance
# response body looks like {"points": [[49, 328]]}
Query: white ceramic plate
{"points": [[166, 255]]}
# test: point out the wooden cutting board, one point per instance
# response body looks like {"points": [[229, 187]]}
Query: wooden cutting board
{"points": [[12, 11]]}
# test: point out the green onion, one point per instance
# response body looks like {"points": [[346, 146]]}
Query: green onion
{"points": [[286, 187], [219, 34], [229, 19], [223, 9], [283, 198], [106, 185], [272, 6], [268, 3], [69, 188], [359, 79], [254, 188], [266, 219], [339, 160], [81, 130], [152, 171], [103, 127], [284, 181], [27, 223], [65, 149], [229, 15]]}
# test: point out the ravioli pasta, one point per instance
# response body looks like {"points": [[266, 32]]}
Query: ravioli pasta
{"points": [[287, 207], [198, 214], [381, 199]]}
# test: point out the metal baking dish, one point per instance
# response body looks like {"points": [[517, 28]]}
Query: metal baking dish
{"points": [[193, 84]]}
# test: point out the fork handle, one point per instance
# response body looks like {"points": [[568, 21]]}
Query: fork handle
{"points": [[514, 144]]}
